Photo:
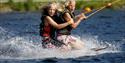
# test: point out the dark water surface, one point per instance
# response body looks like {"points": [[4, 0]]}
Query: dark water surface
{"points": [[20, 41]]}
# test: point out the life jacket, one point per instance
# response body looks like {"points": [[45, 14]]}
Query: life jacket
{"points": [[47, 30], [66, 30]]}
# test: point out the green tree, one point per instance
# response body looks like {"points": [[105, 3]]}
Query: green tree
{"points": [[29, 5]]}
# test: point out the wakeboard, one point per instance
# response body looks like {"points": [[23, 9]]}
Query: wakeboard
{"points": [[100, 48]]}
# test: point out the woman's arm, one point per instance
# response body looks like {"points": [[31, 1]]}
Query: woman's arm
{"points": [[54, 24]]}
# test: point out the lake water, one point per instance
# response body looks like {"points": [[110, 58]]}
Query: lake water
{"points": [[20, 41]]}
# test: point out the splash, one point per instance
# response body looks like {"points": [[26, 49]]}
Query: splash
{"points": [[24, 47]]}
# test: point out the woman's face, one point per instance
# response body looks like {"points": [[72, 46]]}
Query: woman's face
{"points": [[52, 10]]}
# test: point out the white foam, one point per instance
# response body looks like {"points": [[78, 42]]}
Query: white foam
{"points": [[22, 48]]}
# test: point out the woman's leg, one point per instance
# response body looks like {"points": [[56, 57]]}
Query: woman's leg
{"points": [[46, 43]]}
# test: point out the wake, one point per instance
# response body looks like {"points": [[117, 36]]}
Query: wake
{"points": [[29, 47]]}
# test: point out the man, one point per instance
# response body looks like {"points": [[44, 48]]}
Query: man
{"points": [[65, 33]]}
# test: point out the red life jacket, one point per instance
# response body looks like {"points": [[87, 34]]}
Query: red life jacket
{"points": [[47, 30]]}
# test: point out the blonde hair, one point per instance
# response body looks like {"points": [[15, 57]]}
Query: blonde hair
{"points": [[52, 4], [45, 8]]}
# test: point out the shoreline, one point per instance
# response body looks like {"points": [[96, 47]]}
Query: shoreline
{"points": [[9, 10], [35, 6]]}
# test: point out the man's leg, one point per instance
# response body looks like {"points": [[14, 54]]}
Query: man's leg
{"points": [[63, 38], [75, 43]]}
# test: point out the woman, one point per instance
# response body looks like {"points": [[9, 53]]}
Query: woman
{"points": [[48, 26]]}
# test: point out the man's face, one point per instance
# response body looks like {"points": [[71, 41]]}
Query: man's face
{"points": [[71, 6]]}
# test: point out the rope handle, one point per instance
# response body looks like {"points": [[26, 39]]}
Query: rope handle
{"points": [[109, 4]]}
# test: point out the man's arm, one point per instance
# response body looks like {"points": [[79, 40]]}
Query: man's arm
{"points": [[77, 20]]}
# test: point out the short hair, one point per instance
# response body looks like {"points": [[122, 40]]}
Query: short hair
{"points": [[68, 1]]}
